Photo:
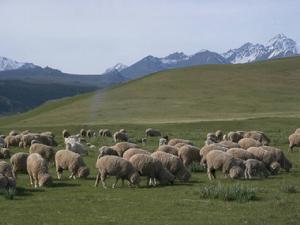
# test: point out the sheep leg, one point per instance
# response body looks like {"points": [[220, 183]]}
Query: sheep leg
{"points": [[59, 173], [114, 185], [97, 179], [31, 179], [122, 182], [210, 174], [291, 148], [245, 174], [149, 181], [103, 177], [72, 176], [36, 180]]}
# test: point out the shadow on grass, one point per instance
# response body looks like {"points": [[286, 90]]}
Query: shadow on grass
{"points": [[63, 184], [20, 191]]}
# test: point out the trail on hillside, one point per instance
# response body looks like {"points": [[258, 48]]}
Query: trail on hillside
{"points": [[95, 105]]}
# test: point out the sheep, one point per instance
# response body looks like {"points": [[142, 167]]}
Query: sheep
{"points": [[67, 160], [241, 153], [2, 142], [19, 162], [258, 136], [27, 139], [280, 157], [152, 168], [47, 152], [236, 172], [217, 159], [179, 145], [4, 153], [120, 137], [65, 133], [122, 130], [152, 133], [297, 131], [173, 164], [6, 169], [294, 141], [246, 143], [83, 133], [254, 167], [174, 141], [229, 144], [234, 136], [12, 140], [105, 150], [46, 140], [219, 135], [13, 133], [168, 149], [133, 151], [89, 133], [48, 133], [105, 133], [206, 149], [8, 184], [77, 148], [211, 138], [25, 132], [162, 141], [188, 154], [116, 166], [121, 147], [37, 169]]}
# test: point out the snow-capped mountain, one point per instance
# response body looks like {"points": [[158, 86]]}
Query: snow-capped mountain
{"points": [[118, 67], [278, 47], [9, 64]]}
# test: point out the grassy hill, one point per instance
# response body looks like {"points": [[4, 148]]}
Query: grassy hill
{"points": [[212, 92]]}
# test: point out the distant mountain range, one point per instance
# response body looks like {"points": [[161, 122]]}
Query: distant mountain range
{"points": [[31, 75]]}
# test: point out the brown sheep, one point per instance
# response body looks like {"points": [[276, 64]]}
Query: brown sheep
{"points": [[133, 151], [246, 143], [174, 141], [294, 141], [189, 154], [241, 153], [168, 149]]}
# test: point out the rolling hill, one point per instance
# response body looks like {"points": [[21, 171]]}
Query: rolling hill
{"points": [[211, 92]]}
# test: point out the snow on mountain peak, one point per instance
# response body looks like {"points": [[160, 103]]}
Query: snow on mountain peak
{"points": [[9, 64], [174, 58], [118, 67]]}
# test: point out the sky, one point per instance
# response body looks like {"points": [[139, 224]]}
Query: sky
{"points": [[89, 36]]}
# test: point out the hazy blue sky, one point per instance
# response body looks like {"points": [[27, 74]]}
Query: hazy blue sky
{"points": [[88, 36]]}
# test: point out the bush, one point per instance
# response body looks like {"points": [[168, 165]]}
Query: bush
{"points": [[234, 192], [288, 188]]}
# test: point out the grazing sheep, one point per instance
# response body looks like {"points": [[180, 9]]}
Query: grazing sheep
{"points": [[105, 133], [236, 172], [27, 139], [19, 162], [121, 147], [254, 167], [234, 136], [174, 141], [133, 151], [110, 165], [13, 133], [246, 143], [12, 140], [179, 145], [83, 133], [120, 137], [47, 152], [105, 150], [152, 168], [219, 135], [77, 148], [37, 169], [8, 184], [258, 136], [229, 144], [217, 160], [122, 130], [46, 140], [241, 153], [65, 133], [152, 133], [206, 149], [67, 160], [294, 141], [89, 133], [6, 169], [4, 153], [173, 164], [280, 157], [274, 168], [189, 154], [168, 149]]}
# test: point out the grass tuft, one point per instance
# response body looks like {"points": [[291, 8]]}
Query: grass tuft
{"points": [[288, 188]]}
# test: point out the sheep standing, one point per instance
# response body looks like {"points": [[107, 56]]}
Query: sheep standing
{"points": [[120, 137], [83, 133], [255, 167], [258, 136], [47, 152], [168, 149], [234, 136], [174, 141], [152, 133], [294, 141], [152, 168], [246, 143], [189, 154], [241, 153], [4, 153], [19, 162], [68, 160], [122, 147], [173, 164], [12, 140], [105, 150], [133, 151], [280, 157], [229, 144], [116, 166], [206, 149], [219, 135], [77, 148], [37, 169], [6, 169], [105, 133], [65, 133]]}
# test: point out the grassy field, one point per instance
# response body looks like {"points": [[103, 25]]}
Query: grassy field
{"points": [[173, 102]]}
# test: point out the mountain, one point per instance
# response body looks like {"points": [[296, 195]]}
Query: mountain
{"points": [[278, 47], [118, 67], [9, 64]]}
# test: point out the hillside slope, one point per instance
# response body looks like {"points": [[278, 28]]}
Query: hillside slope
{"points": [[212, 92]]}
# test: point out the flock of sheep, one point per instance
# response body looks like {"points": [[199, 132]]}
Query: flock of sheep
{"points": [[237, 154]]}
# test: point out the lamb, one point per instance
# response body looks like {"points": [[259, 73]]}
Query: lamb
{"points": [[6, 169], [254, 167], [118, 167], [294, 141], [152, 133], [189, 154], [65, 133], [67, 160], [229, 144], [217, 159], [246, 143], [152, 168], [174, 141], [11, 140], [37, 169], [258, 136], [19, 162], [168, 149], [4, 153], [47, 152], [105, 150], [77, 148], [173, 164], [105, 133], [83, 133], [241, 153], [133, 151], [206, 149], [120, 137], [280, 157], [121, 147]]}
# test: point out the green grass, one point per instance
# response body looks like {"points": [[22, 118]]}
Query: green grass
{"points": [[211, 92]]}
